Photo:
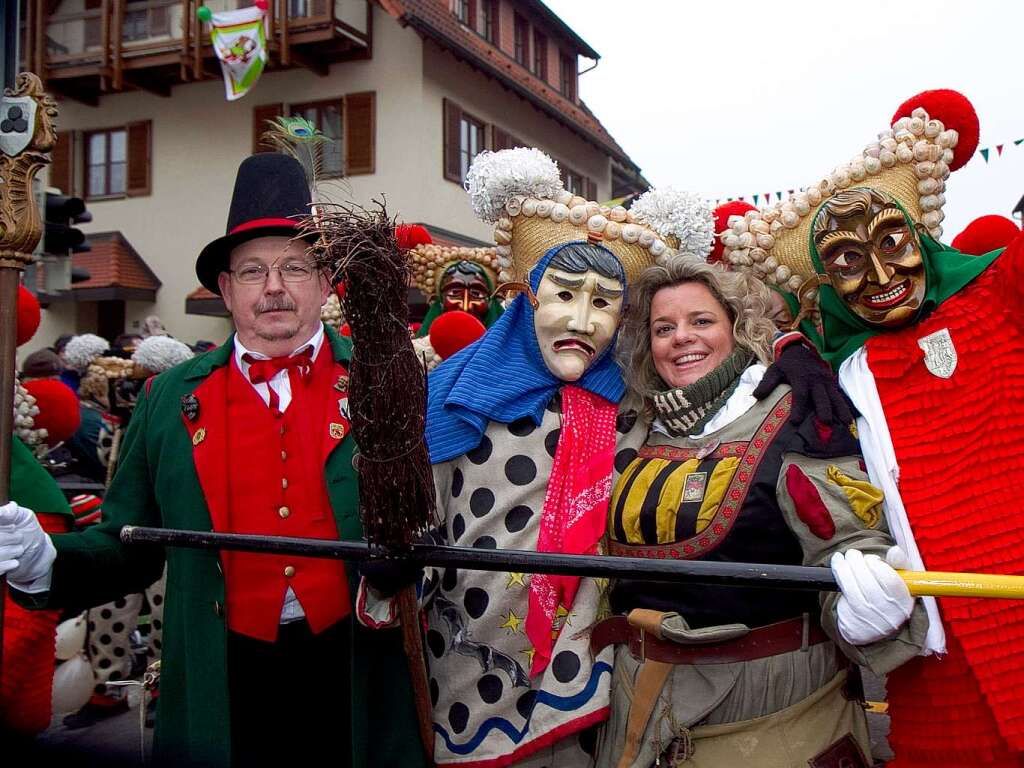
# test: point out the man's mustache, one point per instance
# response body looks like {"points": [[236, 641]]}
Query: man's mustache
{"points": [[274, 305]]}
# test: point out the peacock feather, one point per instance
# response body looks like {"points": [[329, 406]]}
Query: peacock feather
{"points": [[298, 137]]}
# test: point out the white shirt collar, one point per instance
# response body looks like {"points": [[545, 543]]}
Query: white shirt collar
{"points": [[317, 340]]}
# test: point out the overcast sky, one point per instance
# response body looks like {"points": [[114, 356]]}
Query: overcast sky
{"points": [[732, 98]]}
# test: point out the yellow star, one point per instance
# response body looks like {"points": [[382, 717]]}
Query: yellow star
{"points": [[516, 580], [561, 619], [512, 622], [529, 654]]}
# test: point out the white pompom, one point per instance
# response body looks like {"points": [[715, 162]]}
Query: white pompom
{"points": [[72, 684], [684, 215], [81, 350], [70, 637], [159, 353], [494, 178]]}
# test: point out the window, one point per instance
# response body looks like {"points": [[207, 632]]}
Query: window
{"points": [[540, 55], [463, 11], [522, 40], [326, 115], [489, 21], [106, 163], [573, 182], [567, 76], [471, 143]]}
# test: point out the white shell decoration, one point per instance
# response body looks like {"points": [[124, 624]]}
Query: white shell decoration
{"points": [[576, 200], [578, 214], [731, 240], [504, 251], [658, 247], [631, 233], [514, 206], [928, 186], [563, 198], [746, 240], [790, 219], [646, 238], [904, 153], [612, 230], [932, 218], [795, 282], [593, 209], [924, 170], [932, 129], [900, 125], [502, 237], [929, 203], [888, 159], [889, 144], [529, 207], [504, 223], [596, 223], [618, 213], [559, 212], [759, 227], [916, 126], [765, 241], [544, 208], [947, 156], [872, 165], [947, 139]]}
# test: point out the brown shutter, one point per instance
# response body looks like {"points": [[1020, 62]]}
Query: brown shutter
{"points": [[360, 132], [495, 30], [590, 186], [500, 139], [260, 115], [452, 120], [62, 162], [472, 14], [139, 158]]}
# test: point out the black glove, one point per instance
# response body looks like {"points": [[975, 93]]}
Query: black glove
{"points": [[387, 576], [812, 382]]}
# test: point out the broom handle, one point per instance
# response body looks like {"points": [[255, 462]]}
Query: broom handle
{"points": [[412, 639]]}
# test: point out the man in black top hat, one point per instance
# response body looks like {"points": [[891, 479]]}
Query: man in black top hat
{"points": [[262, 660]]}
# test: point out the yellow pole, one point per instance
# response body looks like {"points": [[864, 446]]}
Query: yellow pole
{"points": [[942, 584]]}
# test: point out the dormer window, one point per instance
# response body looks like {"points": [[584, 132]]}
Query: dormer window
{"points": [[540, 55], [567, 76], [522, 40]]}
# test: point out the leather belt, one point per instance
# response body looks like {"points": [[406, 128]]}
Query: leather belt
{"points": [[770, 640]]}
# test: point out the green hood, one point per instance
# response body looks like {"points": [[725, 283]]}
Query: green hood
{"points": [[806, 326], [946, 272], [494, 311]]}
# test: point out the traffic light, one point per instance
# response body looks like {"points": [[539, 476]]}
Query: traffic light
{"points": [[61, 238]]}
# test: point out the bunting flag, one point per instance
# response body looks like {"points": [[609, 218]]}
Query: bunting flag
{"points": [[239, 39], [984, 153], [999, 150]]}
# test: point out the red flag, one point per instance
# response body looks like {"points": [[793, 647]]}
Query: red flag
{"points": [[999, 149]]}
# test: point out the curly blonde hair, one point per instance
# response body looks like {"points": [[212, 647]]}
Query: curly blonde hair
{"points": [[745, 299]]}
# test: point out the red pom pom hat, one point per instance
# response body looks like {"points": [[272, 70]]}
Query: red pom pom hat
{"points": [[985, 234]]}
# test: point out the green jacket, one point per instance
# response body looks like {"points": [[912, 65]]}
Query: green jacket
{"points": [[156, 484]]}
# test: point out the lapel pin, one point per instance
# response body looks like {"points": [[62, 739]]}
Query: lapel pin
{"points": [[341, 384], [199, 436], [190, 407], [337, 430]]}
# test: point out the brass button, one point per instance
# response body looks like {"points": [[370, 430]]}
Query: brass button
{"points": [[284, 482], [284, 512], [284, 455], [218, 608], [289, 571]]}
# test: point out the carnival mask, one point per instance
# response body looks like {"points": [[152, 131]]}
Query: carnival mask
{"points": [[464, 287], [872, 257], [576, 319]]}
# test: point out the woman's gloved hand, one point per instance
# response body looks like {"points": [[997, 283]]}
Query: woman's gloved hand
{"points": [[875, 602]]}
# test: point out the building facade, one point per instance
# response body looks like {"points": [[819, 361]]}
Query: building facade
{"points": [[410, 90]]}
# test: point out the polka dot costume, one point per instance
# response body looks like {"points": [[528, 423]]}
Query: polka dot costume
{"points": [[487, 710]]}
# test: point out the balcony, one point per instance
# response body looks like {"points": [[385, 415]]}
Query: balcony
{"points": [[86, 48]]}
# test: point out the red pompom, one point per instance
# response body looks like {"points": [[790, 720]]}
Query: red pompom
{"points": [[414, 328], [722, 214], [339, 289], [28, 315], [261, 4], [345, 330], [411, 235], [986, 233], [58, 409], [454, 330], [955, 112]]}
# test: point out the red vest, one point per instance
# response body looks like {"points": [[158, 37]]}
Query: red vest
{"points": [[276, 487]]}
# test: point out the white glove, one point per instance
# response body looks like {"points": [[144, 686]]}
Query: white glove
{"points": [[26, 551], [875, 601]]}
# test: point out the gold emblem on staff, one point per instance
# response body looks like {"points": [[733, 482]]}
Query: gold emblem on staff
{"points": [[199, 436], [337, 430]]}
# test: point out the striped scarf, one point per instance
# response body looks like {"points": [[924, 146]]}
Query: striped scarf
{"points": [[685, 410]]}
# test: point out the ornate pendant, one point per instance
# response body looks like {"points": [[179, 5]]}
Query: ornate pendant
{"points": [[939, 353]]}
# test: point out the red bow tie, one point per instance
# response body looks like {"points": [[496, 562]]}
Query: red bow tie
{"points": [[262, 371]]}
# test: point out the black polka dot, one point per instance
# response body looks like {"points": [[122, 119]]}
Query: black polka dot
{"points": [[485, 542], [157, 624], [481, 502], [458, 527], [625, 422], [457, 481], [119, 652], [555, 403], [522, 427], [436, 643], [517, 518], [434, 692], [482, 452], [114, 676], [449, 579], [551, 441], [520, 470], [458, 716], [476, 601], [490, 687], [93, 650], [100, 689], [565, 666], [106, 613], [524, 704], [120, 603], [157, 599], [117, 627], [105, 663], [623, 458], [588, 740], [157, 644], [105, 639]]}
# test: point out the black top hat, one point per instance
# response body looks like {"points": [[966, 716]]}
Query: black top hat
{"points": [[271, 192]]}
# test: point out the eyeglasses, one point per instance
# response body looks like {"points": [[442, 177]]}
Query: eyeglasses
{"points": [[290, 271]]}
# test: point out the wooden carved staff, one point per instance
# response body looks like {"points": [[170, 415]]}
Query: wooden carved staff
{"points": [[28, 123], [387, 402]]}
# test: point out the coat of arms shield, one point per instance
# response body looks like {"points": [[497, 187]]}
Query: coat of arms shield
{"points": [[17, 123], [939, 353]]}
